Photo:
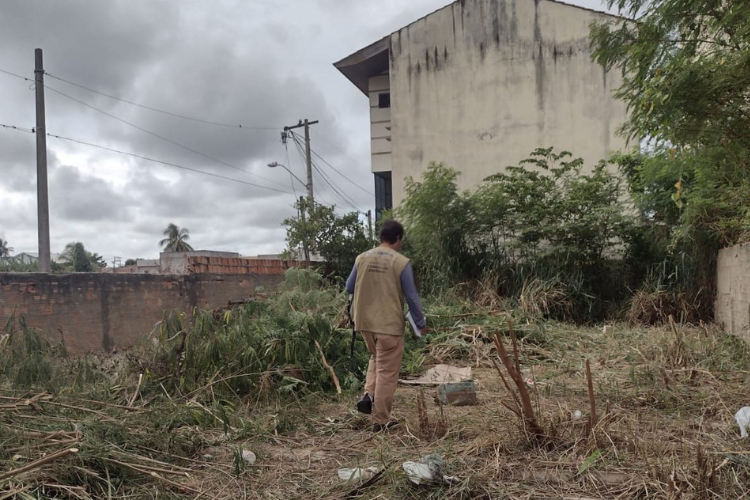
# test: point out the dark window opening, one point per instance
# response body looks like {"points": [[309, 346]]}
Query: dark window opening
{"points": [[383, 193], [384, 100]]}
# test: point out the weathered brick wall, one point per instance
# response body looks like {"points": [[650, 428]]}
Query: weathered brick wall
{"points": [[224, 265], [732, 309], [103, 312]]}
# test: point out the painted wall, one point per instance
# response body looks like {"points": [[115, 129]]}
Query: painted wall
{"points": [[480, 84], [732, 308]]}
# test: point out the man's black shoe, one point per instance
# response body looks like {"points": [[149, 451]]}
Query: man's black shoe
{"points": [[364, 405], [385, 427]]}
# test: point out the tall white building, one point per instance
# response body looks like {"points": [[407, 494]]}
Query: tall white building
{"points": [[480, 84]]}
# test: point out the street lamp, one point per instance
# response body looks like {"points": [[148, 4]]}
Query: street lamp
{"points": [[277, 164]]}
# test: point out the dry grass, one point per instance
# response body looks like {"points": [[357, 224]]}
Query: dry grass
{"points": [[540, 298], [665, 400], [654, 307]]}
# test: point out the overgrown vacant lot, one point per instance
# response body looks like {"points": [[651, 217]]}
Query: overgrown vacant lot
{"points": [[172, 418]]}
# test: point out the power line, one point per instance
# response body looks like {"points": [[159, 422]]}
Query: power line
{"points": [[20, 129], [335, 187], [289, 165], [342, 175], [146, 158], [338, 193], [348, 200], [16, 75], [335, 169], [156, 110], [154, 134], [301, 151]]}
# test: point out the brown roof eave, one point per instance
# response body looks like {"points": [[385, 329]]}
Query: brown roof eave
{"points": [[365, 63]]}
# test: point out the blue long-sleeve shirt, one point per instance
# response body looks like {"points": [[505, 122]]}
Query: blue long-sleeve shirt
{"points": [[410, 293]]}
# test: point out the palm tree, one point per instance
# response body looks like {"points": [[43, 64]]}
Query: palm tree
{"points": [[176, 239], [76, 256], [5, 250]]}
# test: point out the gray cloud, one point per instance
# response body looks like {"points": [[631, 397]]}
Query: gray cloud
{"points": [[85, 198], [263, 64], [18, 161]]}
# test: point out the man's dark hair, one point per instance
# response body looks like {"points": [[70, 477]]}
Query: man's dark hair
{"points": [[391, 232]]}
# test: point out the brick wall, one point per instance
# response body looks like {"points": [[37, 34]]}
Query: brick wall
{"points": [[224, 265], [732, 308], [103, 312]]}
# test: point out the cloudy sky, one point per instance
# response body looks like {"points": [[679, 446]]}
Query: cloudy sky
{"points": [[257, 63]]}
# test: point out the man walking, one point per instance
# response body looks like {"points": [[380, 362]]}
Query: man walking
{"points": [[382, 279]]}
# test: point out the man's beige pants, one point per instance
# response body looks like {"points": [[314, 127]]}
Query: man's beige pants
{"points": [[386, 352]]}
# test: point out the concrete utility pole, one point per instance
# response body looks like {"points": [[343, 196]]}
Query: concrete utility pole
{"points": [[306, 124], [305, 247], [42, 198]]}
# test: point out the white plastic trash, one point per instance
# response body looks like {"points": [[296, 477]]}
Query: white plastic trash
{"points": [[576, 415], [355, 474], [249, 456], [743, 420], [427, 470], [418, 473]]}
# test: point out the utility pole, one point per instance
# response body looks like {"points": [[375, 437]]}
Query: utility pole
{"points": [[42, 198], [369, 224], [305, 248], [310, 198], [306, 124], [309, 163]]}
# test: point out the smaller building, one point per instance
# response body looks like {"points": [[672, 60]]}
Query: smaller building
{"points": [[141, 266], [178, 262], [33, 258], [208, 262]]}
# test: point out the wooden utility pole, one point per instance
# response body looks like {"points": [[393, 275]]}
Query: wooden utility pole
{"points": [[42, 197], [310, 198], [309, 163], [308, 159]]}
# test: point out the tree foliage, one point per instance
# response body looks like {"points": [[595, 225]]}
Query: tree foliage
{"points": [[5, 250], [547, 218], [176, 239], [686, 85], [684, 66], [336, 238], [77, 259]]}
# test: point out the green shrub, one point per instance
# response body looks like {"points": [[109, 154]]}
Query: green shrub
{"points": [[545, 230]]}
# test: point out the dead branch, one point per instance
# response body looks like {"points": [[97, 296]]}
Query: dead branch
{"points": [[592, 400], [137, 389], [515, 374], [37, 463], [329, 367], [517, 409]]}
